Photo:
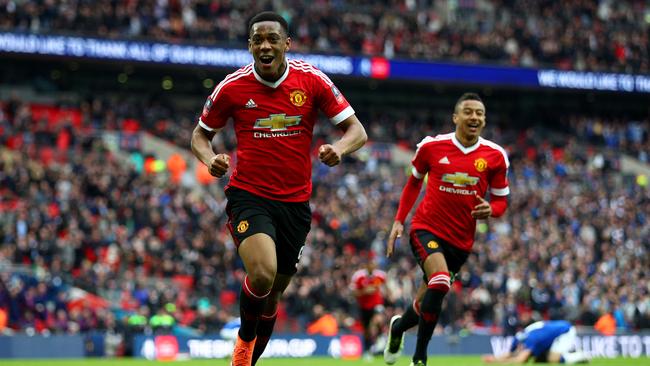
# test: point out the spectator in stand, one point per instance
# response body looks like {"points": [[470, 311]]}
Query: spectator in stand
{"points": [[162, 322], [3, 321], [325, 323], [606, 324]]}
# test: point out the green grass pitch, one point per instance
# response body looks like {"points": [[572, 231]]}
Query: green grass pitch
{"points": [[314, 361]]}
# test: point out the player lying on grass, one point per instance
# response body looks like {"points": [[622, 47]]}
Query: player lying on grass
{"points": [[543, 341]]}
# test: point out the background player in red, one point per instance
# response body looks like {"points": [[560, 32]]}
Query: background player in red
{"points": [[460, 167], [367, 284], [274, 104]]}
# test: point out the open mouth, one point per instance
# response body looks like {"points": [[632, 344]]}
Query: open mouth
{"points": [[266, 59]]}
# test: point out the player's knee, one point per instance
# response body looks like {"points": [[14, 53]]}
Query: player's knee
{"points": [[429, 316], [439, 281], [261, 277], [416, 306]]}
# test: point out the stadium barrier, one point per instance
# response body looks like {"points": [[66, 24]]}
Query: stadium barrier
{"points": [[632, 345], [24, 346], [169, 347]]}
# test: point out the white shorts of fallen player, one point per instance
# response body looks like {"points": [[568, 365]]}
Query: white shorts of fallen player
{"points": [[565, 342]]}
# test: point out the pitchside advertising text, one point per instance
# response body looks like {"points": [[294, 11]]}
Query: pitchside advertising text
{"points": [[349, 346]]}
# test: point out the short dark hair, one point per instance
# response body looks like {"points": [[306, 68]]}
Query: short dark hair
{"points": [[467, 96], [269, 16]]}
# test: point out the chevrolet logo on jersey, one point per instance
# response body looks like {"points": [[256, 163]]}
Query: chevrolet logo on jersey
{"points": [[460, 179], [278, 122]]}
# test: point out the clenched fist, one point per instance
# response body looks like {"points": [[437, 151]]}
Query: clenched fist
{"points": [[329, 155], [219, 165], [483, 210]]}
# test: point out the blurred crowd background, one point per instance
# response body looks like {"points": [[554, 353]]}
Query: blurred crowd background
{"points": [[94, 240], [593, 35]]}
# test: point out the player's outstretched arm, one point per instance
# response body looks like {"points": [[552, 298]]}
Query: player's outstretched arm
{"points": [[407, 200], [519, 357], [395, 232], [354, 136], [499, 205], [217, 164]]}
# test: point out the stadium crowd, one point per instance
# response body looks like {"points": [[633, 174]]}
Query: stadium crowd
{"points": [[630, 136], [590, 35], [573, 245]]}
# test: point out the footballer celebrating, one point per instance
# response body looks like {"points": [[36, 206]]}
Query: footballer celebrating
{"points": [[274, 103], [461, 166]]}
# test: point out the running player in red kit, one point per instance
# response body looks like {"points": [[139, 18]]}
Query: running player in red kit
{"points": [[366, 285], [460, 167], [274, 104]]}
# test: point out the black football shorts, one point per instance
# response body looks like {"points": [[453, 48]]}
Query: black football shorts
{"points": [[368, 314], [287, 223], [423, 243]]}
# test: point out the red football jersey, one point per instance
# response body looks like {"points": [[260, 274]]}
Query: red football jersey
{"points": [[456, 175], [362, 279], [274, 125]]}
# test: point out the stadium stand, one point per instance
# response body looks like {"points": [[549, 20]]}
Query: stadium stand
{"points": [[596, 35], [76, 215]]}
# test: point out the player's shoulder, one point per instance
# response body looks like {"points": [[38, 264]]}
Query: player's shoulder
{"points": [[491, 144], [230, 81], [433, 140], [244, 70], [379, 273], [496, 148], [360, 273], [239, 75], [302, 66], [306, 70]]}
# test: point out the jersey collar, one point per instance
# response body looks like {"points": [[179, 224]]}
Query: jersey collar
{"points": [[277, 82], [465, 149]]}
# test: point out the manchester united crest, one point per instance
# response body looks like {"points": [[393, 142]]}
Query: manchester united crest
{"points": [[480, 164], [242, 227], [298, 98]]}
